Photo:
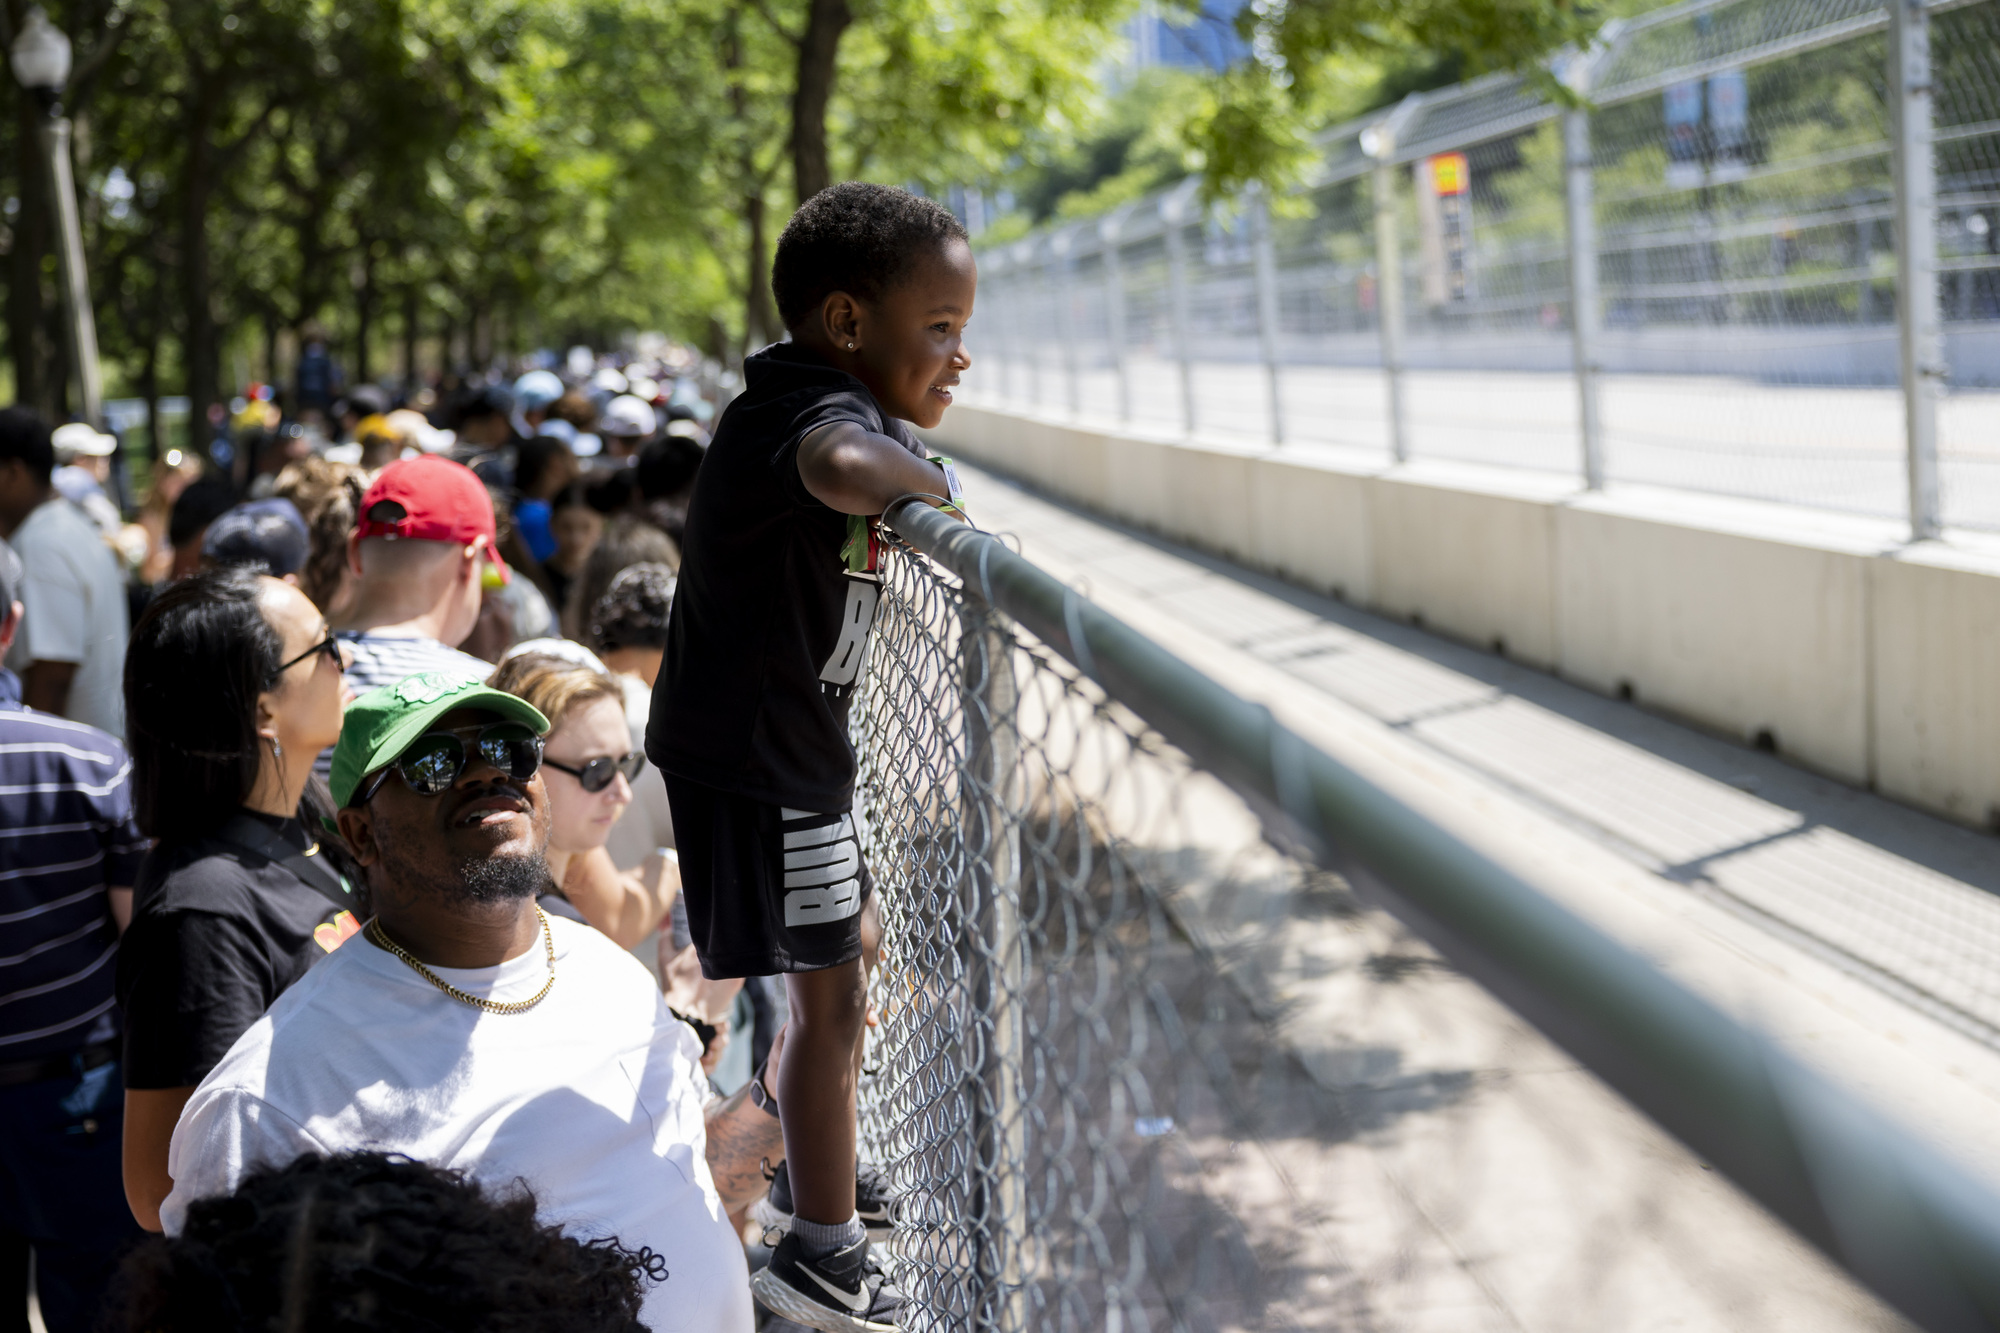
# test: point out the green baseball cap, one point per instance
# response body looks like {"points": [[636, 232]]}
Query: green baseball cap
{"points": [[380, 724]]}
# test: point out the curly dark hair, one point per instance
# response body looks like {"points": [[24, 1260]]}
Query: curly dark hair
{"points": [[628, 540], [632, 613], [367, 1241], [856, 238]]}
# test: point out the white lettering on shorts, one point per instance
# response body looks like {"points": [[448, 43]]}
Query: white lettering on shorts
{"points": [[856, 620], [822, 871]]}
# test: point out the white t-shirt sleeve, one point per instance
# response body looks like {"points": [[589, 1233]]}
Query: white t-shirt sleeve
{"points": [[223, 1135], [57, 598]]}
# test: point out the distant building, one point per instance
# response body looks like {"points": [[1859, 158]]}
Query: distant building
{"points": [[1209, 41], [974, 208]]}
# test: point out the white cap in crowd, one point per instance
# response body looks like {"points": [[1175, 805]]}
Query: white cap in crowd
{"points": [[536, 390], [626, 416], [80, 439]]}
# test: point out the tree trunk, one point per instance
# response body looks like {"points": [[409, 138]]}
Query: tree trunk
{"points": [[479, 337], [819, 57], [200, 338], [761, 324], [412, 330], [364, 314], [28, 322], [272, 375], [149, 377]]}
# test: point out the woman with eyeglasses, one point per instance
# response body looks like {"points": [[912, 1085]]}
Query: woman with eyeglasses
{"points": [[588, 766], [232, 686]]}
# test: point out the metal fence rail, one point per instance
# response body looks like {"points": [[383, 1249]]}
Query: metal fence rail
{"points": [[1764, 261], [1042, 790]]}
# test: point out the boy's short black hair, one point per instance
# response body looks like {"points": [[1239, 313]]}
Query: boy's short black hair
{"points": [[856, 238], [24, 435]]}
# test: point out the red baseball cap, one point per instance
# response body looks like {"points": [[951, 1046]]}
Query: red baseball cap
{"points": [[431, 499]]}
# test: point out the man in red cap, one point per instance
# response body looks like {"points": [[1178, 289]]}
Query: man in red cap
{"points": [[422, 554]]}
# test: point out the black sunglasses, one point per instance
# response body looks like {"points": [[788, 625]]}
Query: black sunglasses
{"points": [[596, 775], [329, 645], [437, 759]]}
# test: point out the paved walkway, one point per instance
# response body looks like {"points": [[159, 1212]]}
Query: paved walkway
{"points": [[1864, 935]]}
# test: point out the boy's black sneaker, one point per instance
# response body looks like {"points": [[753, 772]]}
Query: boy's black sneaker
{"points": [[872, 1202], [843, 1292]]}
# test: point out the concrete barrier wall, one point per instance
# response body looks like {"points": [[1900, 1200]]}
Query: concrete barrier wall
{"points": [[1829, 638]]}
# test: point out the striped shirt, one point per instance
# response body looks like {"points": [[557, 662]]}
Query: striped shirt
{"points": [[384, 659], [66, 836]]}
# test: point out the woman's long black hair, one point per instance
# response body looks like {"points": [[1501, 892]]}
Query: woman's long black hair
{"points": [[199, 657]]}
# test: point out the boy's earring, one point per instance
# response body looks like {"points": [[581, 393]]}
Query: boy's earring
{"points": [[850, 347]]}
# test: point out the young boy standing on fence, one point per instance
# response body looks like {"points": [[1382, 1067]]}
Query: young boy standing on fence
{"points": [[765, 646]]}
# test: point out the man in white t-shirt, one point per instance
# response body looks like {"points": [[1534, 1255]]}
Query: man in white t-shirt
{"points": [[466, 1029], [71, 653]]}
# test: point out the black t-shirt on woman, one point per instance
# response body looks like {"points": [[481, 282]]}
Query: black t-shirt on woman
{"points": [[220, 928], [769, 628]]}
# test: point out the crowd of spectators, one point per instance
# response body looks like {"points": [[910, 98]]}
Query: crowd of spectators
{"points": [[383, 730], [176, 674]]}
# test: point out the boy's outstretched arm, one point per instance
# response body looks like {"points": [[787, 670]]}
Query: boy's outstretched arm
{"points": [[851, 469]]}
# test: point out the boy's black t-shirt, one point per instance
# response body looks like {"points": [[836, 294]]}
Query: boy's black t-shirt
{"points": [[769, 629]]}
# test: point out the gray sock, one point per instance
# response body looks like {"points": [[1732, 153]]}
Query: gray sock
{"points": [[819, 1239]]}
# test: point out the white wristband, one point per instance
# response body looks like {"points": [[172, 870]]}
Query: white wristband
{"points": [[953, 490]]}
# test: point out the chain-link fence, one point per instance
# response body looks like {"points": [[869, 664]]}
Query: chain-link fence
{"points": [[1727, 205], [1085, 851], [1050, 1038]]}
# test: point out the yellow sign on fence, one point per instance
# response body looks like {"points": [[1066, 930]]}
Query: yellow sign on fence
{"points": [[1449, 174]]}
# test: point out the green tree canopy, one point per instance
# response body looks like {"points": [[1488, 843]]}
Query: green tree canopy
{"points": [[431, 182]]}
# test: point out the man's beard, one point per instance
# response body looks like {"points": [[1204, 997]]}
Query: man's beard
{"points": [[499, 879]]}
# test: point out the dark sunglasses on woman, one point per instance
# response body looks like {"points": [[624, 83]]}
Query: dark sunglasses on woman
{"points": [[329, 645], [596, 775], [437, 759]]}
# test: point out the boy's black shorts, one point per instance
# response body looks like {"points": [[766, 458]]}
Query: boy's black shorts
{"points": [[768, 889]]}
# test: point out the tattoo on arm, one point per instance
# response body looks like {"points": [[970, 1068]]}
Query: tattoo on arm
{"points": [[740, 1139]]}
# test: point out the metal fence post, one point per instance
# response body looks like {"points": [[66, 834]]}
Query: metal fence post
{"points": [[999, 318], [1264, 262], [1108, 231], [1173, 209], [1063, 245], [1031, 275], [1918, 321], [1379, 142], [1585, 318], [989, 795]]}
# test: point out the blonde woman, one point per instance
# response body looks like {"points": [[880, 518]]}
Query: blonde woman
{"points": [[588, 764]]}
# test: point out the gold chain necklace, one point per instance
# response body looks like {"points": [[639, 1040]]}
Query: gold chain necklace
{"points": [[376, 936]]}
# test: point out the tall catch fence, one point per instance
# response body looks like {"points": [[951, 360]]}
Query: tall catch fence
{"points": [[1067, 1061], [1700, 278]]}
